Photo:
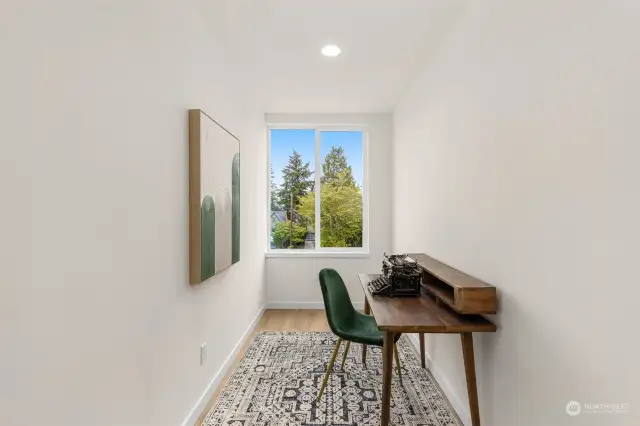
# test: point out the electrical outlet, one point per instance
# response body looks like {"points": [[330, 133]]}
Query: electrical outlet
{"points": [[203, 353]]}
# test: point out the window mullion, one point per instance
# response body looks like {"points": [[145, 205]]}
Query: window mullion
{"points": [[317, 189]]}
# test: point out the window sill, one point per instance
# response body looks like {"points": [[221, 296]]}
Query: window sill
{"points": [[318, 254]]}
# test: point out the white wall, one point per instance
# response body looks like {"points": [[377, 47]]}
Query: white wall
{"points": [[293, 282], [98, 324], [522, 132]]}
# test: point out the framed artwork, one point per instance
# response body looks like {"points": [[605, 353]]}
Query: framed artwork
{"points": [[214, 197]]}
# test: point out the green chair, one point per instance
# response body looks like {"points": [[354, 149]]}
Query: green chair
{"points": [[347, 323]]}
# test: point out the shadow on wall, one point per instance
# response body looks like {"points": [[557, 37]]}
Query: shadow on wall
{"points": [[440, 29]]}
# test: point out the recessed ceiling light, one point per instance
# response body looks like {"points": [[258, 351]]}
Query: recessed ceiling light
{"points": [[331, 50]]}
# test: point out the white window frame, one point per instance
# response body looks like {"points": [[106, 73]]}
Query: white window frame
{"points": [[323, 251]]}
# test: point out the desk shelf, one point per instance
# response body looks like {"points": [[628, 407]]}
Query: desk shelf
{"points": [[441, 292], [463, 293]]}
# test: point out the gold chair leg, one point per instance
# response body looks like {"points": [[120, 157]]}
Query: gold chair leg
{"points": [[344, 356], [333, 360], [395, 353]]}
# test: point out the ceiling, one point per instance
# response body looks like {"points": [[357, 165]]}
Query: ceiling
{"points": [[277, 42]]}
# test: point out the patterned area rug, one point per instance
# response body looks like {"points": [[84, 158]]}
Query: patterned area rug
{"points": [[278, 379]]}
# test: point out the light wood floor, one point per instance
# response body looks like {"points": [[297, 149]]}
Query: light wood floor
{"points": [[275, 320]]}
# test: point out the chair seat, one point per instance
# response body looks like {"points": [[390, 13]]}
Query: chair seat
{"points": [[363, 329]]}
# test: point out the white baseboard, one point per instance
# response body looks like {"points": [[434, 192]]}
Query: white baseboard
{"points": [[221, 373], [305, 305], [455, 400]]}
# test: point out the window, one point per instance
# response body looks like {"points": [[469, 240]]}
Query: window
{"points": [[317, 191]]}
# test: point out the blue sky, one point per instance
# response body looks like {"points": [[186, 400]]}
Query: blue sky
{"points": [[284, 141]]}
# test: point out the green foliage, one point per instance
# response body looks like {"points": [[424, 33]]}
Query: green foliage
{"points": [[296, 180], [340, 215], [275, 205], [340, 207], [340, 203], [282, 232], [335, 169], [307, 208]]}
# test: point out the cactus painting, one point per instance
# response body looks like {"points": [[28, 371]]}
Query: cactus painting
{"points": [[214, 197], [207, 240], [235, 209]]}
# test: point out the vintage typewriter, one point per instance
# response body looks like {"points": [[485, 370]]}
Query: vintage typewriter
{"points": [[400, 277]]}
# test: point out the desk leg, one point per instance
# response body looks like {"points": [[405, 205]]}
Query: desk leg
{"points": [[367, 311], [387, 371], [470, 372], [422, 356]]}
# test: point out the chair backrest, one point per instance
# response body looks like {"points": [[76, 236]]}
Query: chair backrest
{"points": [[337, 303]]}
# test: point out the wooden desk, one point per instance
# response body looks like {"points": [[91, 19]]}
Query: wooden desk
{"points": [[422, 315]]}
